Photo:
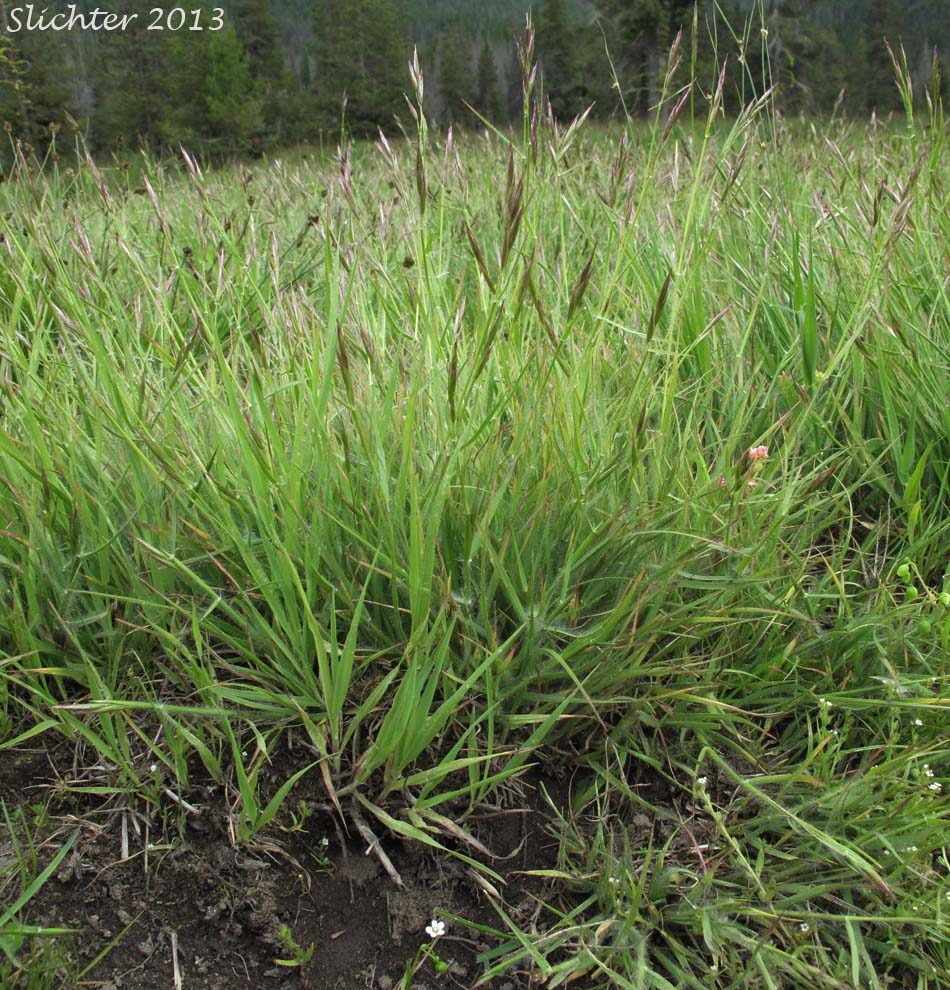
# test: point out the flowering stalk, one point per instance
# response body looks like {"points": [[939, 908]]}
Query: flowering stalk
{"points": [[435, 930]]}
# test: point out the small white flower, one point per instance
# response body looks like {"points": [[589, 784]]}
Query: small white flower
{"points": [[805, 927], [436, 929], [825, 702], [153, 768], [918, 722], [936, 786], [927, 771], [613, 880], [324, 842], [701, 781], [910, 849]]}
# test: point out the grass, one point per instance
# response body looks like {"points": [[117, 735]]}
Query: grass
{"points": [[436, 455], [21, 877]]}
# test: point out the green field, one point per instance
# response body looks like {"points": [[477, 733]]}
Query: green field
{"points": [[597, 477]]}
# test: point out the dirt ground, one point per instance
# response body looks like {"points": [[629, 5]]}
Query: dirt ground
{"points": [[183, 907]]}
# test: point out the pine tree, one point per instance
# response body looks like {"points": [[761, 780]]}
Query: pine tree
{"points": [[34, 89], [594, 80], [943, 82], [805, 58], [488, 97], [360, 53], [385, 56], [337, 51], [884, 25], [641, 34], [187, 120], [455, 78], [129, 82], [556, 51], [257, 28], [235, 112]]}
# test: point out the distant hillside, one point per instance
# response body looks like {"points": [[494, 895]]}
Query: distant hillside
{"points": [[498, 17], [426, 19]]}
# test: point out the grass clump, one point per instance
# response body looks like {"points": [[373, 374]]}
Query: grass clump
{"points": [[626, 450]]}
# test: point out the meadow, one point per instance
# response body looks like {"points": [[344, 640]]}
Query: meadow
{"points": [[558, 516]]}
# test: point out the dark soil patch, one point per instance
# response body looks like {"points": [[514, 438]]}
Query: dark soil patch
{"points": [[147, 906], [24, 774]]}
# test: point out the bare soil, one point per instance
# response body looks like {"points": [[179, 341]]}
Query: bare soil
{"points": [[166, 907]]}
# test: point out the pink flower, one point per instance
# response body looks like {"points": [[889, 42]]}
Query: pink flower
{"points": [[758, 454]]}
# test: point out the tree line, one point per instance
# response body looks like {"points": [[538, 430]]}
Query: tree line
{"points": [[254, 75]]}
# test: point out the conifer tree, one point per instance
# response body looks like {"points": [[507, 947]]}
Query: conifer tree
{"points": [[385, 57], [359, 52], [488, 97], [337, 52], [555, 45], [641, 34], [129, 82], [235, 112], [257, 28], [187, 120], [34, 89], [455, 78], [880, 91], [805, 59]]}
